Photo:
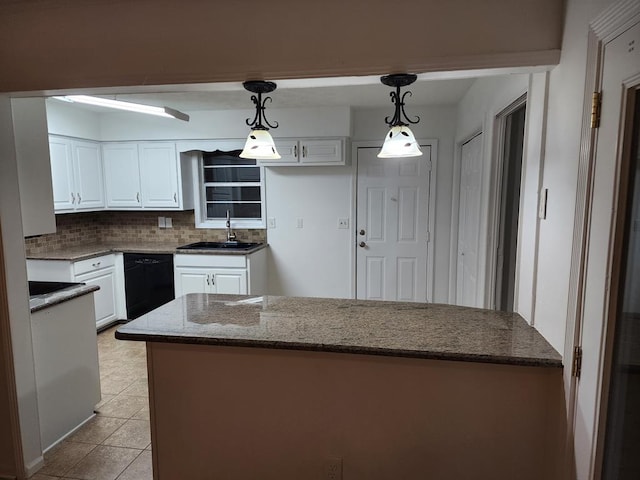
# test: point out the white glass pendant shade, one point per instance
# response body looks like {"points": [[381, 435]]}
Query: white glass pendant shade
{"points": [[400, 142], [260, 146]]}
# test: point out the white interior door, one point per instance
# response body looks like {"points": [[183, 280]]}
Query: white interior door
{"points": [[392, 226], [621, 71], [469, 222]]}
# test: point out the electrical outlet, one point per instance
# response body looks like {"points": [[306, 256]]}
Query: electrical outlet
{"points": [[343, 223], [333, 468], [271, 222], [299, 223], [168, 223], [161, 222]]}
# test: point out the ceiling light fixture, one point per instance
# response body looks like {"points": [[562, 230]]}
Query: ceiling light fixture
{"points": [[400, 141], [129, 106], [259, 144]]}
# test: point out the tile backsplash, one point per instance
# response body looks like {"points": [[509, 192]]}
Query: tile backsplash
{"points": [[75, 229]]}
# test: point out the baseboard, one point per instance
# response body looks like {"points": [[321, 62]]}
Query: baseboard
{"points": [[68, 434], [109, 325], [7, 477], [34, 466]]}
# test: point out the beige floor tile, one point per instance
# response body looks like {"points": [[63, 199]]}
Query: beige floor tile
{"points": [[97, 430], [140, 388], [140, 469], [133, 434], [104, 463], [123, 406], [63, 457], [114, 383], [105, 398], [143, 414], [38, 476]]}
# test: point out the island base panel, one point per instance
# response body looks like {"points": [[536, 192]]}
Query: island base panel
{"points": [[247, 413]]}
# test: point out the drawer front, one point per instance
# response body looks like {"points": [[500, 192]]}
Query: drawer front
{"points": [[198, 260], [93, 264]]}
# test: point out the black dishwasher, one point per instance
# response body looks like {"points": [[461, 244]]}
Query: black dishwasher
{"points": [[148, 282]]}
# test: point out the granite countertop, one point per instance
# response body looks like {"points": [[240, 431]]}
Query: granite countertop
{"points": [[95, 250], [400, 329], [40, 302]]}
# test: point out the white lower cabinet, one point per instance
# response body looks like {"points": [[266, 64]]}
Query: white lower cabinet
{"points": [[100, 271], [223, 274]]}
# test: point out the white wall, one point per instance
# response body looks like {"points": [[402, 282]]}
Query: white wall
{"points": [[314, 260], [435, 123], [562, 147], [210, 124], [16, 275], [67, 119]]}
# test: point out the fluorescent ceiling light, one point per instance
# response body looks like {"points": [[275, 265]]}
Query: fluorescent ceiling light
{"points": [[120, 105]]}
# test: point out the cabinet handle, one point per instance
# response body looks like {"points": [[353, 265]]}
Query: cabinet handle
{"points": [[97, 264], [304, 151], [208, 279], [175, 198], [213, 275], [138, 197], [79, 198], [73, 198], [295, 151]]}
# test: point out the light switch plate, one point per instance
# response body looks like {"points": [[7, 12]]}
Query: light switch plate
{"points": [[168, 223], [343, 223], [161, 222], [271, 222], [299, 223]]}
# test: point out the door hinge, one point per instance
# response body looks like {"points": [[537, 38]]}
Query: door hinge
{"points": [[596, 107], [576, 368]]}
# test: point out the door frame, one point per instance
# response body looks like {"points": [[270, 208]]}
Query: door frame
{"points": [[495, 202], [605, 27], [423, 142]]}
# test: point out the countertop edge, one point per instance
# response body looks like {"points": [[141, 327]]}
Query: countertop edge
{"points": [[60, 256], [64, 296], [346, 349]]}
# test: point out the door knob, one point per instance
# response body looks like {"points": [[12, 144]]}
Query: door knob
{"points": [[362, 232], [362, 244]]}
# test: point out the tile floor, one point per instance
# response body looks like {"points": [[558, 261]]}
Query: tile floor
{"points": [[116, 443]]}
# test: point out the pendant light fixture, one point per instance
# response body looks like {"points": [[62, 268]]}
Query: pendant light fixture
{"points": [[259, 144], [400, 141]]}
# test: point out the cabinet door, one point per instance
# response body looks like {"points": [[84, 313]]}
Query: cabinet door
{"points": [[321, 152], [105, 298], [62, 174], [159, 175], [289, 153], [88, 176], [192, 280], [229, 281], [122, 174]]}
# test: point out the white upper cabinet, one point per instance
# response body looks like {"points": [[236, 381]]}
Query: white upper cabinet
{"points": [[88, 175], [76, 174], [309, 152], [159, 173], [146, 175], [122, 175]]}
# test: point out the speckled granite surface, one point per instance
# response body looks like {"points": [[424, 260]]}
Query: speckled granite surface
{"points": [[348, 326], [40, 302], [95, 250]]}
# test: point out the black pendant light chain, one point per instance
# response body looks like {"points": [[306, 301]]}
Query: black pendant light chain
{"points": [[259, 87], [399, 116]]}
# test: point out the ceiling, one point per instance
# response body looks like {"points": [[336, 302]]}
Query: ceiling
{"points": [[430, 89]]}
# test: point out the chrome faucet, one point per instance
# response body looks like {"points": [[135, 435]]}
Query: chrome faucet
{"points": [[231, 236]]}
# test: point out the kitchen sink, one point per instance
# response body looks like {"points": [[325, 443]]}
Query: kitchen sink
{"points": [[42, 288], [219, 246]]}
